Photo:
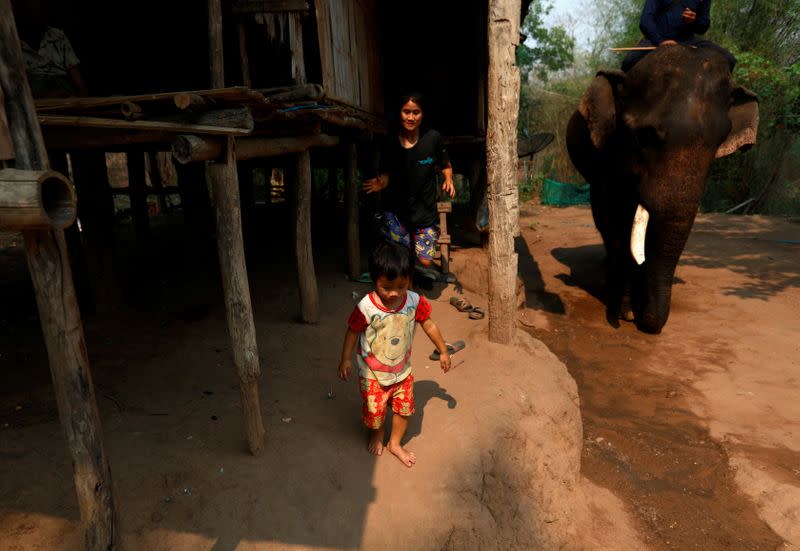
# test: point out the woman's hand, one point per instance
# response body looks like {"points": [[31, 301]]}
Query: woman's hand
{"points": [[449, 188], [375, 184], [668, 43], [689, 16]]}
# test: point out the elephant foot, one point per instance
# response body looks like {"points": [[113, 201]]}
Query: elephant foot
{"points": [[625, 311]]}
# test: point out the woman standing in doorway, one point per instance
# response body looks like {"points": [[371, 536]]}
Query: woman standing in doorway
{"points": [[410, 164]]}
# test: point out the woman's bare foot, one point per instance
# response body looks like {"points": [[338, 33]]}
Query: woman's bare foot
{"points": [[408, 458], [375, 445]]}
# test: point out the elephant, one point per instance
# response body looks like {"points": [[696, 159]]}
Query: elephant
{"points": [[645, 140]]}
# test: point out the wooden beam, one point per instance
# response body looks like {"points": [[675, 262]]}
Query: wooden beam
{"points": [[46, 252], [268, 6], [224, 183], [58, 138], [233, 94], [501, 164], [306, 276], [176, 127], [36, 199], [351, 202], [293, 93], [189, 148]]}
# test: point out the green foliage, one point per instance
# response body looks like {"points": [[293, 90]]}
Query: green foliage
{"points": [[550, 49]]}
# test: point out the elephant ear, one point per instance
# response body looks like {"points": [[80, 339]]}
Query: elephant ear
{"points": [[743, 114], [598, 106]]}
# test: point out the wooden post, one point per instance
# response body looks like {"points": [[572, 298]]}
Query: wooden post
{"points": [[351, 202], [296, 45], [501, 164], [59, 313], [238, 309], [443, 207], [215, 55], [155, 179], [306, 276], [224, 182], [137, 185], [244, 59]]}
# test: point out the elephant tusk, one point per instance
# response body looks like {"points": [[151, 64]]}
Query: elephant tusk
{"points": [[638, 231]]}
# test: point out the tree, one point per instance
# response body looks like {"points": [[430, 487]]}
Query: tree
{"points": [[546, 50]]}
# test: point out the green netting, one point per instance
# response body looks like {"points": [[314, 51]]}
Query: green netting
{"points": [[561, 194]]}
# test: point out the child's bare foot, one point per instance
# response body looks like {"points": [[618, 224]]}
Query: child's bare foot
{"points": [[408, 458], [375, 445]]}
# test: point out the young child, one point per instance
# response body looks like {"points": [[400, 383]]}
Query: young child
{"points": [[383, 323]]}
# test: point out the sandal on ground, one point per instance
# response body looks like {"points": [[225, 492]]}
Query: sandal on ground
{"points": [[461, 304], [364, 278], [477, 313], [451, 349]]}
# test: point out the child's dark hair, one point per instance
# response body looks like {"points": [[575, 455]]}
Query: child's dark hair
{"points": [[391, 261]]}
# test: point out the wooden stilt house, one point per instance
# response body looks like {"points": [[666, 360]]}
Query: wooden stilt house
{"points": [[230, 80]]}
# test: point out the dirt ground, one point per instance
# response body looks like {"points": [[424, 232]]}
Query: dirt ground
{"points": [[697, 430], [684, 440]]}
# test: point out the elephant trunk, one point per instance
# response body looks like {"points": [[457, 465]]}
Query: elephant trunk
{"points": [[664, 246], [638, 233]]}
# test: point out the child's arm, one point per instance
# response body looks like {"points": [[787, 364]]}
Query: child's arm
{"points": [[436, 338], [346, 363]]}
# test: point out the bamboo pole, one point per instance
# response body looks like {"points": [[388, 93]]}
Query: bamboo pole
{"points": [[36, 199], [501, 164], [59, 314], [236, 288], [351, 202]]}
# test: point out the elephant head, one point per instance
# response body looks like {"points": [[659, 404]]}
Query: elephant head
{"points": [[645, 141]]}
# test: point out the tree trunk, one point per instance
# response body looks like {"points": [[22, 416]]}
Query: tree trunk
{"points": [[501, 157]]}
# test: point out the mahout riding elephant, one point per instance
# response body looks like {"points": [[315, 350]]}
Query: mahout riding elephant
{"points": [[645, 141]]}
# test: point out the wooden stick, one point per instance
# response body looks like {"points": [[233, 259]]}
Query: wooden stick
{"points": [[60, 318], [238, 309], [634, 49], [96, 122], [137, 185]]}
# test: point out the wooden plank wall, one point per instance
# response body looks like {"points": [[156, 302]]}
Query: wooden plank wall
{"points": [[349, 52]]}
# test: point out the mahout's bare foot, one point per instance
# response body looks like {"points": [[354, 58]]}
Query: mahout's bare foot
{"points": [[375, 445], [408, 458]]}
